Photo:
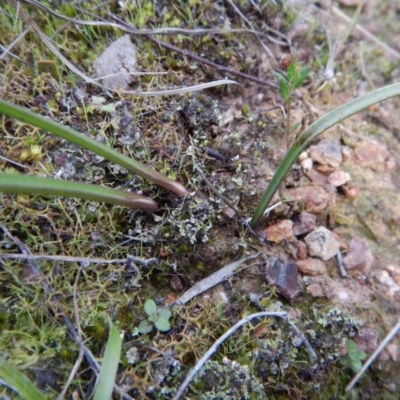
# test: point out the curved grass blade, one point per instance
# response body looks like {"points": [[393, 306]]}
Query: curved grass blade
{"points": [[27, 184], [13, 377], [315, 129], [108, 372], [87, 143]]}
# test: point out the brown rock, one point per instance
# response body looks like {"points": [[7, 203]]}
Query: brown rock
{"points": [[321, 243], [371, 154], [283, 276], [359, 256], [317, 177], [351, 192], [304, 224], [314, 197], [301, 250], [280, 231], [338, 178], [326, 152], [315, 290], [367, 340], [176, 283], [325, 169], [311, 266]]}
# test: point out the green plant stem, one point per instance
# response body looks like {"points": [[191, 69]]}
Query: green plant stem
{"points": [[288, 108], [315, 129], [27, 184], [87, 143]]}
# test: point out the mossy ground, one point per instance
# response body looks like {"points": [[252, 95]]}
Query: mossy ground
{"points": [[190, 238]]}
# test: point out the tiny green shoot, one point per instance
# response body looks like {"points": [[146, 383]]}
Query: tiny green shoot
{"points": [[354, 357], [156, 317], [287, 85]]}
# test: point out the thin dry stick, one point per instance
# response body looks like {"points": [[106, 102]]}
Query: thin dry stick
{"points": [[375, 354], [10, 256], [79, 336], [186, 53], [218, 342], [212, 280]]}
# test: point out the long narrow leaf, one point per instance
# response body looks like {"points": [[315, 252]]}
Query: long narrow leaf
{"points": [[27, 184], [315, 129], [109, 366], [13, 377], [87, 143]]}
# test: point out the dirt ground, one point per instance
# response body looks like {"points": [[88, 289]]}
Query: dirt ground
{"points": [[236, 136]]}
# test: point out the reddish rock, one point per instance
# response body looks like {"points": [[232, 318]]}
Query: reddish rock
{"points": [[321, 243], [311, 266], [317, 177], [371, 154], [283, 276], [326, 152], [325, 169], [280, 231], [351, 192], [301, 252], [367, 340], [304, 224], [338, 178], [359, 256], [315, 290], [228, 212], [314, 197]]}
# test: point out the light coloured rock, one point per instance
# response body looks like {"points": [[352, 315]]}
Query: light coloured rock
{"points": [[388, 284], [314, 197], [311, 266], [326, 152], [304, 224], [359, 256], [394, 271], [116, 64], [321, 243], [339, 178], [280, 231]]}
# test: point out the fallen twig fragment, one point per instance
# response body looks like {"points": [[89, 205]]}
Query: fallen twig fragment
{"points": [[214, 347], [375, 354], [212, 280]]}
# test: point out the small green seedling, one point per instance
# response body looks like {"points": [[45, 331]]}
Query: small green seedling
{"points": [[354, 357], [156, 317], [293, 81], [287, 85]]}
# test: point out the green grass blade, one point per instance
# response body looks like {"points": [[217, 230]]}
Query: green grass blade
{"points": [[108, 372], [13, 377], [87, 143], [27, 184], [315, 129]]}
